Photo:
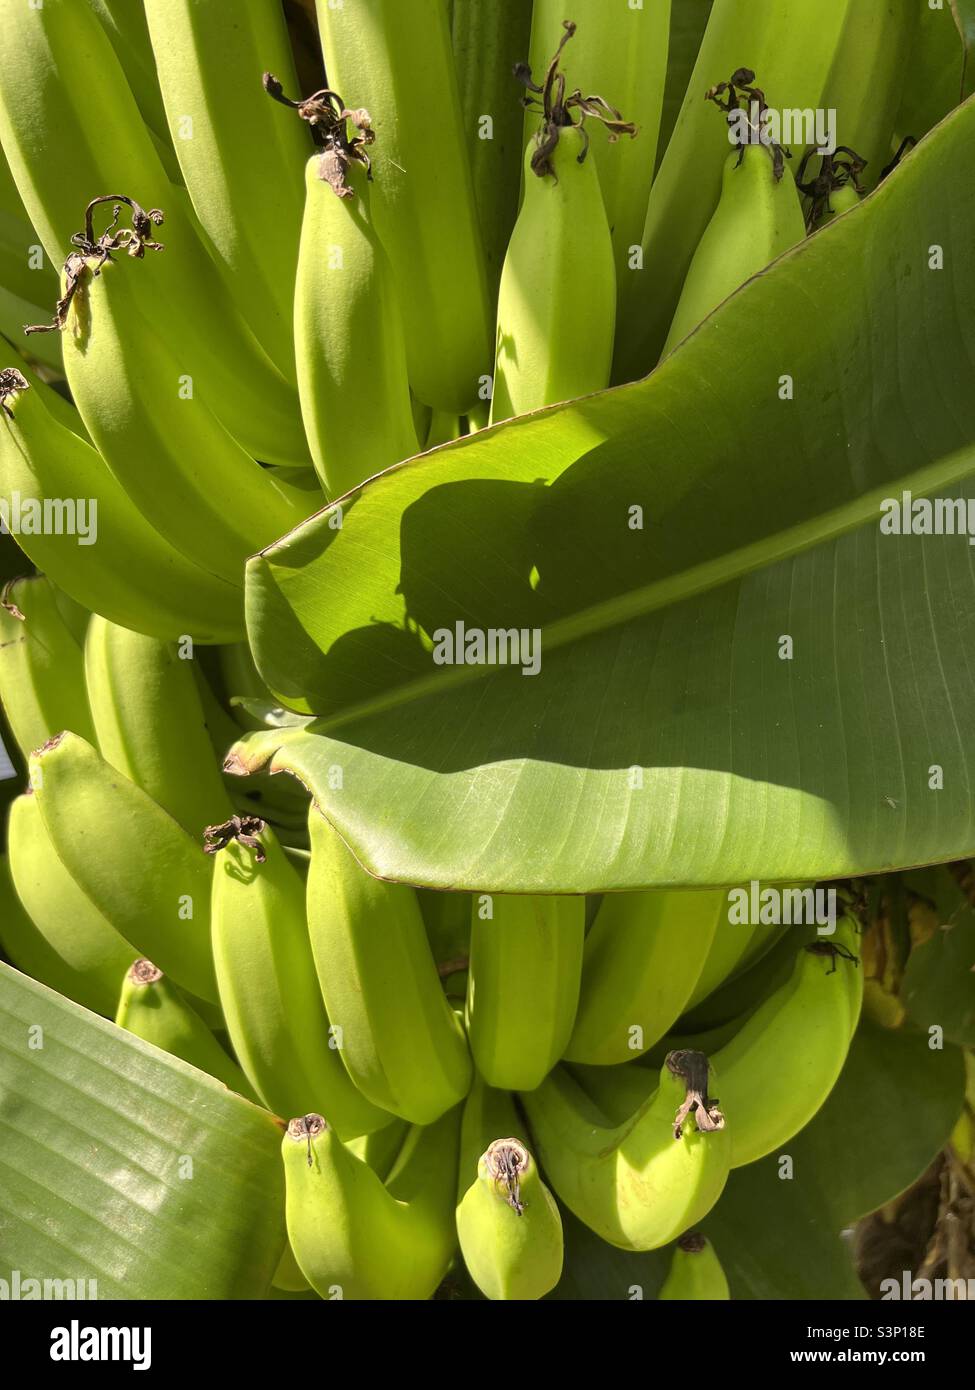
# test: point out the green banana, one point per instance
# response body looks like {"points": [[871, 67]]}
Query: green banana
{"points": [[695, 1272], [508, 1223], [523, 985], [488, 41], [557, 301], [792, 46], [393, 58], [778, 1069], [137, 865], [132, 576], [643, 957], [152, 1008], [240, 158], [268, 988], [67, 138], [128, 33], [63, 941], [20, 272], [638, 1184], [402, 1044], [42, 678], [621, 52], [731, 944], [758, 217], [355, 1236], [352, 379], [149, 722]]}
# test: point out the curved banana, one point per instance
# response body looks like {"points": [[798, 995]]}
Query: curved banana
{"points": [[523, 985], [355, 1236], [268, 988], [239, 157], [621, 52], [695, 1272], [488, 41], [352, 379], [402, 1044], [42, 676], [643, 957], [149, 722], [508, 1223], [69, 138], [128, 33], [781, 1065], [151, 1007], [638, 1184], [758, 216], [137, 865], [64, 941], [132, 575], [792, 45], [395, 60]]}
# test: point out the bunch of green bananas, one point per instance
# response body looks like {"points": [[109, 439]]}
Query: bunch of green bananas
{"points": [[265, 298]]}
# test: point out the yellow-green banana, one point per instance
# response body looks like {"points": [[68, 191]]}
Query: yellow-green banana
{"points": [[132, 575], [240, 157], [42, 678], [149, 722], [621, 53], [69, 138], [523, 985], [393, 58], [508, 1223], [268, 988], [557, 302], [642, 1183], [695, 1272], [151, 1007], [758, 216], [137, 865], [352, 379], [643, 957], [778, 1069], [356, 1236], [64, 941], [128, 33], [402, 1044]]}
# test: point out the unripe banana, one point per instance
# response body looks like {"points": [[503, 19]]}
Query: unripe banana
{"points": [[42, 679], [508, 1223], [152, 1008], [779, 1068], [841, 200], [635, 1184], [523, 985], [621, 52], [239, 156], [355, 1236], [393, 58], [149, 722], [488, 41], [557, 302], [643, 956], [695, 1272], [403, 1046], [758, 217], [352, 379], [137, 865], [268, 987], [132, 575], [128, 33], [64, 941]]}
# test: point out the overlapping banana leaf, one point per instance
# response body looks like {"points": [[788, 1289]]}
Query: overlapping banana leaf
{"points": [[122, 1165], [673, 735]]}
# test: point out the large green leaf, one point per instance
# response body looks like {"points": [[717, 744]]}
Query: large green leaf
{"points": [[661, 647], [119, 1163]]}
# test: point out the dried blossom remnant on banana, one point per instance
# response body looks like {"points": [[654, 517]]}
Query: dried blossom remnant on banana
{"points": [[243, 829], [134, 241], [11, 382], [307, 1128], [506, 1160], [693, 1068], [557, 108], [328, 117], [751, 115]]}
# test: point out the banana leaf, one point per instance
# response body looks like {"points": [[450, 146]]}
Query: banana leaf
{"points": [[757, 683]]}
